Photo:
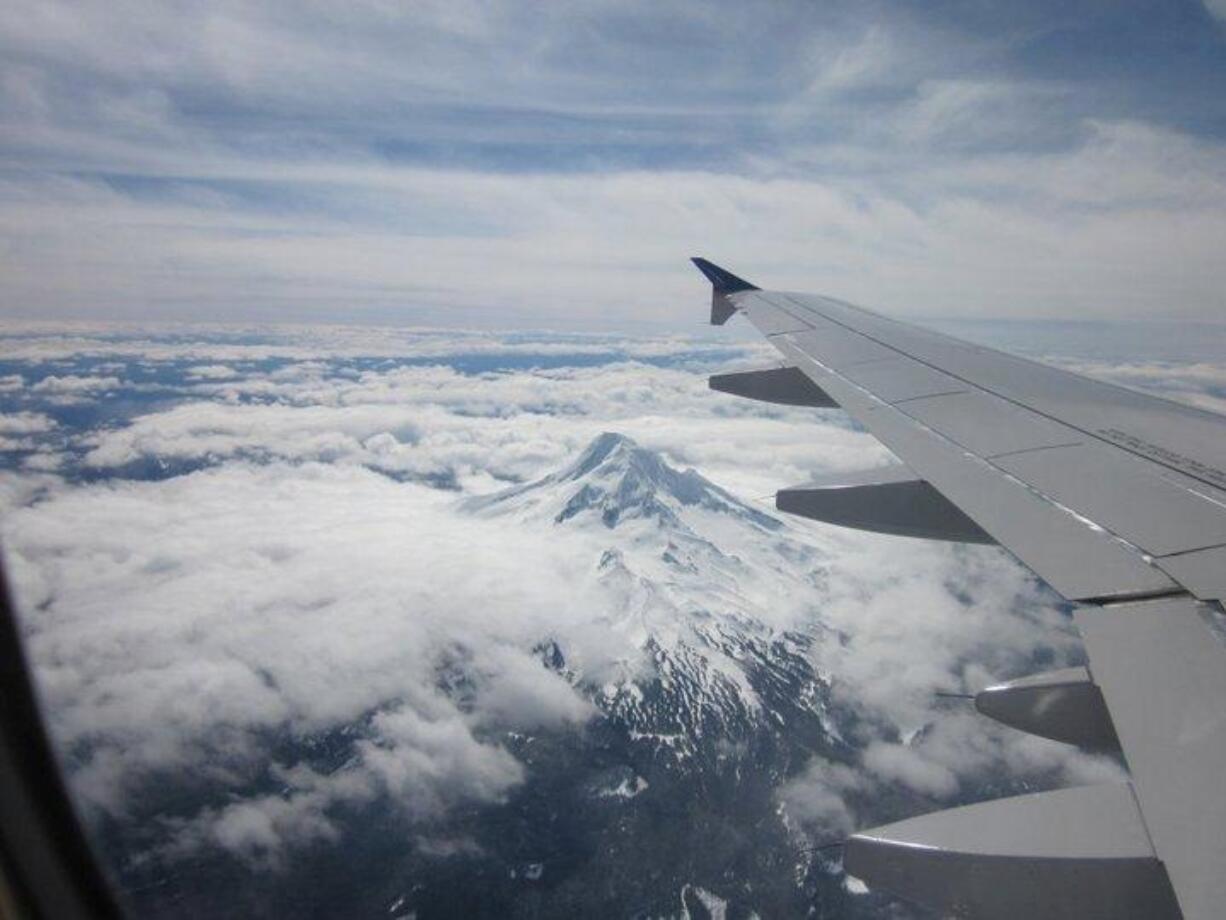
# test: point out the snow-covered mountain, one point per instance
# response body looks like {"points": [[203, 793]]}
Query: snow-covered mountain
{"points": [[718, 594]]}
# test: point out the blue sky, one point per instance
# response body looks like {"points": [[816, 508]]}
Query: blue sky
{"points": [[508, 165]]}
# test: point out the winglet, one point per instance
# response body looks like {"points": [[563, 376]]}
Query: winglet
{"points": [[723, 283], [723, 280]]}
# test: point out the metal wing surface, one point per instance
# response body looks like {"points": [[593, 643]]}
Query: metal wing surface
{"points": [[1116, 499]]}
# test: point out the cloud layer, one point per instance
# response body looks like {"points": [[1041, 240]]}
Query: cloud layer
{"points": [[478, 162], [293, 568], [194, 618]]}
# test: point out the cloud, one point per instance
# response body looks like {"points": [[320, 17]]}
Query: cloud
{"points": [[256, 830], [216, 607], [212, 372], [72, 390], [905, 765], [16, 429], [515, 692], [517, 168], [304, 582], [817, 797], [36, 342], [72, 384], [26, 423], [1017, 237], [424, 762], [1200, 383], [435, 422]]}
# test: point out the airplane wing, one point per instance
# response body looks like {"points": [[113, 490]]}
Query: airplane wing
{"points": [[1117, 500]]}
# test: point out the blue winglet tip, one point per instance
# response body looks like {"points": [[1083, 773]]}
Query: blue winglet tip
{"points": [[721, 279]]}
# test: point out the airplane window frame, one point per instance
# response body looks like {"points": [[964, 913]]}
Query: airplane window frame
{"points": [[47, 866]]}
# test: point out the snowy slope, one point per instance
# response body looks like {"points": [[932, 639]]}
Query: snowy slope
{"points": [[726, 632]]}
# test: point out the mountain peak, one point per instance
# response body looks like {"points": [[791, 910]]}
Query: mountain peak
{"points": [[607, 447], [619, 480]]}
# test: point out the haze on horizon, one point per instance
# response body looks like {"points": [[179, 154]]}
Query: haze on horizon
{"points": [[501, 165]]}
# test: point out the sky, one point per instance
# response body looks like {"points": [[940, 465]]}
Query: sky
{"points": [[497, 165]]}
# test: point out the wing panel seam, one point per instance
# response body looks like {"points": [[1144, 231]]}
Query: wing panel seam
{"points": [[911, 399], [1032, 450]]}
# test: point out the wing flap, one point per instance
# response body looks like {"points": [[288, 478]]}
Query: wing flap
{"points": [[1161, 667], [1064, 705], [886, 500], [1063, 855], [787, 386]]}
